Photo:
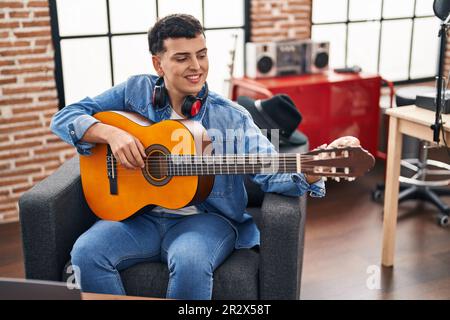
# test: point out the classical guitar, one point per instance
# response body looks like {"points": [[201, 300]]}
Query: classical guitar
{"points": [[180, 166]]}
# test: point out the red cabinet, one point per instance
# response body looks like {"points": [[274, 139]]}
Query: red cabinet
{"points": [[332, 104]]}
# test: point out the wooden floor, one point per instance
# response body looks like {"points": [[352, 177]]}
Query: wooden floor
{"points": [[343, 248], [11, 257]]}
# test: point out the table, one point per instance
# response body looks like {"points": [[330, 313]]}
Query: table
{"points": [[415, 122], [332, 104]]}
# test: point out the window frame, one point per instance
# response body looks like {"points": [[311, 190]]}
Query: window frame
{"points": [[57, 38], [380, 20]]}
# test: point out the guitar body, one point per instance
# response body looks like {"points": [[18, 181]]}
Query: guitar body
{"points": [[135, 189]]}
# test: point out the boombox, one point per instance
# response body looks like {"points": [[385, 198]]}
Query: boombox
{"points": [[288, 57]]}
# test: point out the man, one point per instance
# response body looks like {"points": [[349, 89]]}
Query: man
{"points": [[215, 227]]}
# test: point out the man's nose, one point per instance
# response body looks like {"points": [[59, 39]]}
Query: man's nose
{"points": [[195, 64]]}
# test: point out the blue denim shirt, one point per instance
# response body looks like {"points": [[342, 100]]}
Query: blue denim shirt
{"points": [[218, 115]]}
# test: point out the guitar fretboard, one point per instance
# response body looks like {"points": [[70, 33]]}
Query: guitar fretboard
{"points": [[188, 165]]}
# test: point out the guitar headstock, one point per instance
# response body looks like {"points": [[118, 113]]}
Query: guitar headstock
{"points": [[347, 163]]}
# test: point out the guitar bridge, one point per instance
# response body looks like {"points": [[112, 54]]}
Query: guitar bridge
{"points": [[111, 168]]}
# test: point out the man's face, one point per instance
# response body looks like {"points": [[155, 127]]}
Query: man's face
{"points": [[184, 64]]}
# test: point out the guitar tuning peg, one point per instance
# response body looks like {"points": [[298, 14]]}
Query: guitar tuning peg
{"points": [[337, 179], [325, 179], [351, 178]]}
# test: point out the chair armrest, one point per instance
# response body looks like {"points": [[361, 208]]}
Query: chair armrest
{"points": [[282, 238], [52, 215]]}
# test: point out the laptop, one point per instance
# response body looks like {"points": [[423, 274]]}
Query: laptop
{"points": [[24, 289]]}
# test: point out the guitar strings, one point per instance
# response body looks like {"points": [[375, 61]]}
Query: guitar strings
{"points": [[226, 160], [193, 165], [216, 162], [184, 172], [175, 167], [223, 165], [225, 156], [184, 165], [278, 155], [219, 165], [293, 157], [238, 162]]}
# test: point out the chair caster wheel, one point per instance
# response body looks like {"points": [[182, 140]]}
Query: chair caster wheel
{"points": [[377, 195], [443, 220]]}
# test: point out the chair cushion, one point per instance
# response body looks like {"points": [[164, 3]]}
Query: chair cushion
{"points": [[236, 278]]}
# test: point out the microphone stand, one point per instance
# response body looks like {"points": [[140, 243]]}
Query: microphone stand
{"points": [[436, 127]]}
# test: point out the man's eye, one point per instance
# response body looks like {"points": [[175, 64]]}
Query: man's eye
{"points": [[203, 55], [181, 59]]}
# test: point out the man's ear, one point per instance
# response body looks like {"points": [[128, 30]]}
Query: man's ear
{"points": [[157, 65]]}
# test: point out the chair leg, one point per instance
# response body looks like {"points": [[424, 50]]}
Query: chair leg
{"points": [[410, 193], [441, 191], [378, 192], [429, 194], [432, 197]]}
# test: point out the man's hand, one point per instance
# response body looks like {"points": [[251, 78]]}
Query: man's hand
{"points": [[342, 142], [127, 149]]}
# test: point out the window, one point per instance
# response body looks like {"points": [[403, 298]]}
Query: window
{"points": [[99, 44], [396, 38]]}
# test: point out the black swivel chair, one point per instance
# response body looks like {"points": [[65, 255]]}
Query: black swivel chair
{"points": [[54, 213], [416, 187]]}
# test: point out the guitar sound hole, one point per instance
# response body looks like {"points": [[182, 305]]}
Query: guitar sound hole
{"points": [[156, 166], [156, 169]]}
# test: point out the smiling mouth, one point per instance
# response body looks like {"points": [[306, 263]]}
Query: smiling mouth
{"points": [[194, 78]]}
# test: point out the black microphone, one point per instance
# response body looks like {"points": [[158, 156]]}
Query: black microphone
{"points": [[441, 9]]}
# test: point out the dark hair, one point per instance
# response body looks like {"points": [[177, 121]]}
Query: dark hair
{"points": [[173, 26]]}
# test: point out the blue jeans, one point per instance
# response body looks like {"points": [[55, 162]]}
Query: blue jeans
{"points": [[192, 246]]}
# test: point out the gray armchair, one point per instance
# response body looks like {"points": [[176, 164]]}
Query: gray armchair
{"points": [[54, 214]]}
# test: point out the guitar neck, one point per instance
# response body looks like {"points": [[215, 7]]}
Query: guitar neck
{"points": [[187, 165], [346, 162]]}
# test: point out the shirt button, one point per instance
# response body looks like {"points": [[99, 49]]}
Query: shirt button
{"points": [[72, 132]]}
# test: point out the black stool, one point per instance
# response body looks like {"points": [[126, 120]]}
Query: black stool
{"points": [[416, 187]]}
